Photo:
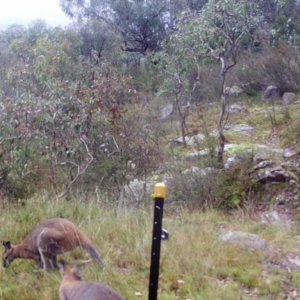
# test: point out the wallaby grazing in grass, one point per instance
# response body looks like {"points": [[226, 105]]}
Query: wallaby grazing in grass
{"points": [[48, 239], [73, 288]]}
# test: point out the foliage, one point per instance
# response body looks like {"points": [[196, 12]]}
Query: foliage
{"points": [[140, 24], [207, 188], [78, 108], [216, 33], [278, 66], [64, 112]]}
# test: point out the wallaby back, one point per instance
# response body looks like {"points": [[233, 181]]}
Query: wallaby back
{"points": [[73, 288], [48, 239]]}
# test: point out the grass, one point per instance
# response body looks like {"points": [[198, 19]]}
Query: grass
{"points": [[194, 263]]}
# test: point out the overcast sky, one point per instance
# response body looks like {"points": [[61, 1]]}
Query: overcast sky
{"points": [[24, 11]]}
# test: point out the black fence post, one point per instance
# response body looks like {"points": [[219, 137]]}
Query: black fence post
{"points": [[159, 195]]}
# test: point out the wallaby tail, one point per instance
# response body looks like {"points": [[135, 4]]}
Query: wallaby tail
{"points": [[94, 254]]}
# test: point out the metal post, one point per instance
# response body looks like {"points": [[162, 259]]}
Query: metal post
{"points": [[159, 195]]}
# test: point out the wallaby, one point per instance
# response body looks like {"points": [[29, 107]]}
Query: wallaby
{"points": [[48, 239], [73, 288]]}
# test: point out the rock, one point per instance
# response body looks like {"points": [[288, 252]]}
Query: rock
{"points": [[249, 240], [287, 98], [261, 155], [236, 108], [166, 112], [289, 152], [191, 141], [192, 170], [291, 262], [262, 165], [198, 171], [134, 192], [197, 154], [233, 91], [274, 218], [271, 92], [238, 158], [276, 174], [242, 128]]}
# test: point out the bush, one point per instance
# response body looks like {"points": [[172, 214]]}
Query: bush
{"points": [[278, 66], [211, 188]]}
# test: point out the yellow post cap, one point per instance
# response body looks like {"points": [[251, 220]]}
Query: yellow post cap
{"points": [[159, 190]]}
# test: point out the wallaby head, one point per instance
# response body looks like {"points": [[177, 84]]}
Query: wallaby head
{"points": [[72, 287], [9, 253], [70, 274]]}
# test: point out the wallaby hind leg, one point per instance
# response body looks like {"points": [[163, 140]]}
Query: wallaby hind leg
{"points": [[49, 245], [49, 260], [47, 263], [53, 259]]}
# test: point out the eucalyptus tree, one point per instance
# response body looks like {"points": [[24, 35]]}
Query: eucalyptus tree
{"points": [[36, 29], [142, 24], [286, 25], [214, 34]]}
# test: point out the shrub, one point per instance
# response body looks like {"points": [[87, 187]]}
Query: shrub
{"points": [[278, 66]]}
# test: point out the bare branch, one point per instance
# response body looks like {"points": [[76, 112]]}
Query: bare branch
{"points": [[80, 170]]}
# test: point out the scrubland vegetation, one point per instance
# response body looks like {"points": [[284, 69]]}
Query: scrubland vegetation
{"points": [[83, 114]]}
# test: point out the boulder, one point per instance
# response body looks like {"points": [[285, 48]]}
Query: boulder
{"points": [[233, 91], [236, 108], [166, 112], [271, 92], [248, 240], [287, 98], [276, 174], [190, 140], [133, 193]]}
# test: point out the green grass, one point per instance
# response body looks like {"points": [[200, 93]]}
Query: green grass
{"points": [[194, 264]]}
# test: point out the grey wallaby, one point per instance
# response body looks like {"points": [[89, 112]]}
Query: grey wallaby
{"points": [[73, 288], [48, 239]]}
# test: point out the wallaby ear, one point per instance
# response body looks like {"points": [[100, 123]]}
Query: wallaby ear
{"points": [[6, 244]]}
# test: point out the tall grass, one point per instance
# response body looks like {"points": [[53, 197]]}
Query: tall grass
{"points": [[194, 264]]}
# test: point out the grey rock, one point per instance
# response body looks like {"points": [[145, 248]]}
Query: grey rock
{"points": [[134, 192], [197, 171], [249, 240], [197, 154], [190, 140], [242, 128], [289, 152], [274, 218], [271, 92], [166, 112], [276, 174], [263, 164], [233, 91], [192, 170], [238, 158], [287, 98], [291, 262]]}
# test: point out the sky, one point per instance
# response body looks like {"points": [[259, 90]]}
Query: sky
{"points": [[25, 11]]}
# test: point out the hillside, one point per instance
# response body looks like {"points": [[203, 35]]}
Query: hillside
{"points": [[249, 252]]}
